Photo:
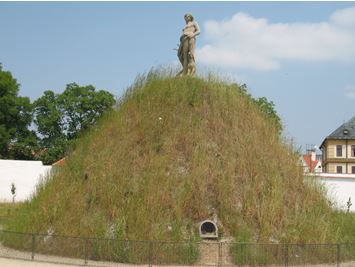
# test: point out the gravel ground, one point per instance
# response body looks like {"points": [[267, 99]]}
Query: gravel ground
{"points": [[22, 263], [14, 258], [5, 262]]}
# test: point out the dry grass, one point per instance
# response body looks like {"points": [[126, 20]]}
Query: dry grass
{"points": [[7, 208], [176, 151]]}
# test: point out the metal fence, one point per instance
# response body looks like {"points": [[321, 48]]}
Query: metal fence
{"points": [[4, 219], [113, 252]]}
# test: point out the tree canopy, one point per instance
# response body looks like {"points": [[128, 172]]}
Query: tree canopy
{"points": [[16, 139], [266, 107], [61, 117], [44, 129], [81, 106]]}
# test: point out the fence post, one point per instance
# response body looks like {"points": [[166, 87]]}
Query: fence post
{"points": [[33, 246], [286, 254], [220, 254], [150, 253], [338, 255], [86, 251]]}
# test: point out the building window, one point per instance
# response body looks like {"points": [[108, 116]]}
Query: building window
{"points": [[339, 169], [352, 169], [353, 151], [339, 150]]}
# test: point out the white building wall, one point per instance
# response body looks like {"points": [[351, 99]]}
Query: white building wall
{"points": [[24, 174], [340, 187]]}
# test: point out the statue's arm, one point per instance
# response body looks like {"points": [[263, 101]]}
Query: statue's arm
{"points": [[197, 29]]}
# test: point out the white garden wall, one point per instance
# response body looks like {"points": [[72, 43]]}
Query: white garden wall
{"points": [[24, 174], [340, 187]]}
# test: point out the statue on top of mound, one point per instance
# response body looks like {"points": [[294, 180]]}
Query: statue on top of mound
{"points": [[186, 51]]}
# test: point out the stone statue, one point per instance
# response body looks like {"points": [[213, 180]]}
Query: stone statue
{"points": [[186, 51]]}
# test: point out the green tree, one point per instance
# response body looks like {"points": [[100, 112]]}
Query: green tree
{"points": [[61, 117], [268, 108], [81, 106], [55, 152], [16, 140], [24, 147], [48, 118]]}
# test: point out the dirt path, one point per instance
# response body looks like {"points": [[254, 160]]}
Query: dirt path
{"points": [[211, 252], [5, 262], [9, 255], [209, 257], [22, 263]]}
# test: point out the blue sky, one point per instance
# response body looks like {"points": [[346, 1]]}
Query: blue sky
{"points": [[300, 55]]}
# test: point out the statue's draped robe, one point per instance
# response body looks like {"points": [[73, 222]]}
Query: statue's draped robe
{"points": [[186, 53]]}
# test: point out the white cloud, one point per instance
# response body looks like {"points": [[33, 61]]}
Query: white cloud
{"points": [[350, 92], [344, 17], [254, 43]]}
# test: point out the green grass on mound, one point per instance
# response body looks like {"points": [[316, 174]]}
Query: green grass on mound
{"points": [[177, 151], [8, 209]]}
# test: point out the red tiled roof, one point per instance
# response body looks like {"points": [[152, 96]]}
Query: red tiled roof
{"points": [[59, 162], [310, 163]]}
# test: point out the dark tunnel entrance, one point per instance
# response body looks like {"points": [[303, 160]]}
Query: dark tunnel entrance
{"points": [[208, 229]]}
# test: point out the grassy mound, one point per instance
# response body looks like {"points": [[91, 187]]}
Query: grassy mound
{"points": [[175, 152]]}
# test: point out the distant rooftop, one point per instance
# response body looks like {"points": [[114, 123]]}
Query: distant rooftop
{"points": [[346, 131], [59, 162], [311, 164]]}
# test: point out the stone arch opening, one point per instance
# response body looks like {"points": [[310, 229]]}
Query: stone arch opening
{"points": [[208, 229]]}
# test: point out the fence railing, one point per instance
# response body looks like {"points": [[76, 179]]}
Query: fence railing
{"points": [[103, 252], [4, 219]]}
